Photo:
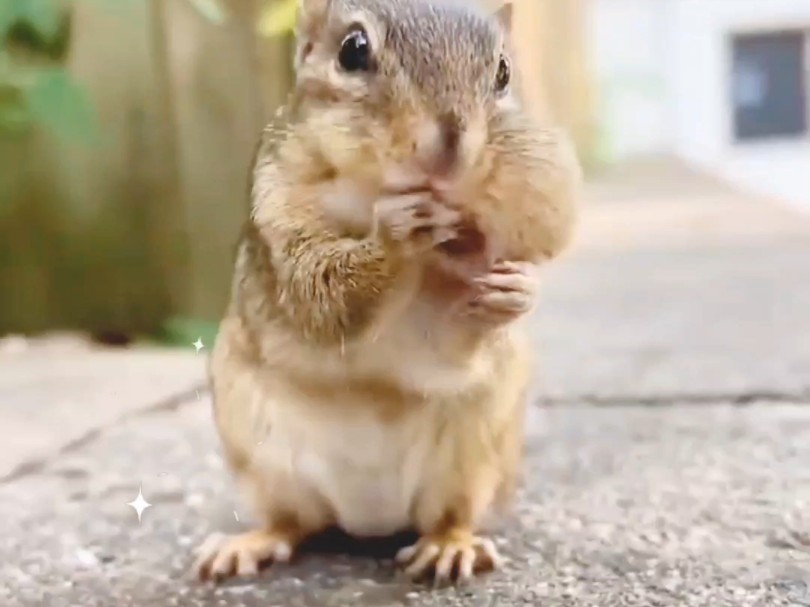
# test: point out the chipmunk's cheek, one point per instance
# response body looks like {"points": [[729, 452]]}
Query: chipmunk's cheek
{"points": [[349, 206]]}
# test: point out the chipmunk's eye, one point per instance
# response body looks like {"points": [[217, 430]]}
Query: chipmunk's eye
{"points": [[503, 76], [355, 52]]}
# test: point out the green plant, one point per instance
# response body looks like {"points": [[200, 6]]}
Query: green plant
{"points": [[34, 87], [182, 331]]}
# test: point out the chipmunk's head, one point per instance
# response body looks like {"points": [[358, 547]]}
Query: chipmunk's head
{"points": [[383, 82]]}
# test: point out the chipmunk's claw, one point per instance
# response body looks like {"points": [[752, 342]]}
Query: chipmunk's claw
{"points": [[451, 557], [222, 556]]}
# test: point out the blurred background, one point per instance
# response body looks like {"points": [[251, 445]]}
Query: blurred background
{"points": [[668, 448], [126, 128]]}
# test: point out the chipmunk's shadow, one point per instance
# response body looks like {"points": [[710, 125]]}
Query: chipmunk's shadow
{"points": [[334, 561], [336, 542]]}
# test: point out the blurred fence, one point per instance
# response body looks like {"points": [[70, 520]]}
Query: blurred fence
{"points": [[137, 225]]}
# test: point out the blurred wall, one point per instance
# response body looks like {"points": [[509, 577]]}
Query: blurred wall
{"points": [[664, 69], [629, 42], [550, 38], [138, 224], [89, 229], [702, 95]]}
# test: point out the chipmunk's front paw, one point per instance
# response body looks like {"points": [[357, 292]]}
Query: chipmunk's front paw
{"points": [[223, 556], [455, 555], [415, 222], [504, 294]]}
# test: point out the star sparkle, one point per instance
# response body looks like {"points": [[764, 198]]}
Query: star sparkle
{"points": [[198, 345], [139, 504]]}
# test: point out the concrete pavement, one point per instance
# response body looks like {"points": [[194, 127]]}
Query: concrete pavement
{"points": [[625, 506], [668, 454]]}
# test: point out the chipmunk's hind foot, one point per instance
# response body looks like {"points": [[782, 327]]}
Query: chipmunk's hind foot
{"points": [[224, 556], [451, 557]]}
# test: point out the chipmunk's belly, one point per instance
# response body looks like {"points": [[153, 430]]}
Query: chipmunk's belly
{"points": [[367, 471]]}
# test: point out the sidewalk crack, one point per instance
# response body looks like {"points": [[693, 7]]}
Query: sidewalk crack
{"points": [[740, 399], [171, 403]]}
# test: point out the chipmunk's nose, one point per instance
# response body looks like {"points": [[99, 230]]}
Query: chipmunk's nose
{"points": [[440, 146], [449, 144]]}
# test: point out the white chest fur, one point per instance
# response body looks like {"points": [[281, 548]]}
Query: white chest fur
{"points": [[367, 470]]}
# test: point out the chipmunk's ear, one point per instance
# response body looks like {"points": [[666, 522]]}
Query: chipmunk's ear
{"points": [[313, 9], [312, 15], [504, 15]]}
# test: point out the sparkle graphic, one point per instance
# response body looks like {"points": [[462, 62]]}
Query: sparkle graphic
{"points": [[139, 504], [198, 345], [236, 516]]}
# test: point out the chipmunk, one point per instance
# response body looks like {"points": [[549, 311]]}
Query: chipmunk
{"points": [[370, 371]]}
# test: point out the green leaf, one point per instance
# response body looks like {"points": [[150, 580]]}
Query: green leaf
{"points": [[210, 9], [43, 15], [58, 103], [278, 18], [8, 15]]}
